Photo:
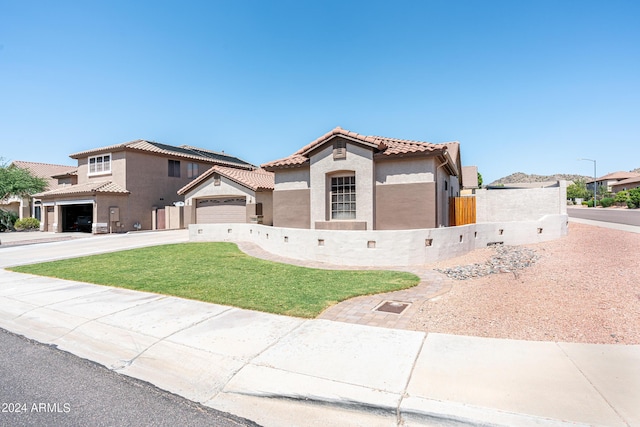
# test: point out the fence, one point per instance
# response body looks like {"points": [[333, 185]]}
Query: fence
{"points": [[462, 211]]}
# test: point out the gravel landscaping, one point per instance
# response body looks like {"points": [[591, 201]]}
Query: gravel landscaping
{"points": [[584, 287]]}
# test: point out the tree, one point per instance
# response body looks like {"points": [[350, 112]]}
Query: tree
{"points": [[15, 181], [479, 180], [578, 190]]}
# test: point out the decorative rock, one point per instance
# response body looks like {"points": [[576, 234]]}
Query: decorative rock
{"points": [[507, 259]]}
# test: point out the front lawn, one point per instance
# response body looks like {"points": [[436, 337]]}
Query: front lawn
{"points": [[220, 273]]}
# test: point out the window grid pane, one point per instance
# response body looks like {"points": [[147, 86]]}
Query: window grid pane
{"points": [[343, 197]]}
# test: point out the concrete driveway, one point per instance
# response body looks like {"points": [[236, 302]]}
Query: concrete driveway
{"points": [[77, 244]]}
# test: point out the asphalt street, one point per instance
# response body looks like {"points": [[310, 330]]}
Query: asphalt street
{"points": [[619, 216], [43, 386]]}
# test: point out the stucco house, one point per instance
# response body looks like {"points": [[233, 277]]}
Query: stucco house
{"points": [[229, 195], [56, 176], [347, 181], [119, 186], [612, 179], [626, 184]]}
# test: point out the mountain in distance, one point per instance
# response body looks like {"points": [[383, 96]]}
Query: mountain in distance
{"points": [[519, 177]]}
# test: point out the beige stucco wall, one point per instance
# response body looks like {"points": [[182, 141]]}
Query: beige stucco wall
{"points": [[359, 160], [520, 204], [292, 179], [404, 171]]}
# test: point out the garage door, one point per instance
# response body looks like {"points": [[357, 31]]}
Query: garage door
{"points": [[221, 210]]}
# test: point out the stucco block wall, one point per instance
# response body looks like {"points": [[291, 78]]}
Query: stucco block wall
{"points": [[520, 204], [383, 248]]}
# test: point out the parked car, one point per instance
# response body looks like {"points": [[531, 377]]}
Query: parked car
{"points": [[83, 223]]}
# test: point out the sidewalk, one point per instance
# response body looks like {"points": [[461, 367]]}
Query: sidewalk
{"points": [[283, 371]]}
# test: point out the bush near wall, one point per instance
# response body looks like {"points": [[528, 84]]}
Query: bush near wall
{"points": [[607, 202], [634, 198], [27, 224]]}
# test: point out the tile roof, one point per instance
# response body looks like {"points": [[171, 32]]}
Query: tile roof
{"points": [[86, 188], [258, 179], [633, 180], [385, 147], [617, 176], [45, 170], [184, 151]]}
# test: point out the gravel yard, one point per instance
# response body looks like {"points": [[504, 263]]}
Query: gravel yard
{"points": [[584, 287]]}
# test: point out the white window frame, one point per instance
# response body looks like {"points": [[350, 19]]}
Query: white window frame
{"points": [[101, 170], [342, 197]]}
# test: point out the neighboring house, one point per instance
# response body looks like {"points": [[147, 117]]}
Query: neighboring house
{"points": [[610, 180], [229, 195], [626, 184], [470, 179], [28, 206], [347, 181], [119, 186]]}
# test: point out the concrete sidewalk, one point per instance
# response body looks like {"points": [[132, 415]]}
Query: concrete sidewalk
{"points": [[282, 371]]}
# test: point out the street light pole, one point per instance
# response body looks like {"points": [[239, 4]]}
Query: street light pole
{"points": [[595, 182]]}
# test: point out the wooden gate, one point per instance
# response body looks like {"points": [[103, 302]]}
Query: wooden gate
{"points": [[462, 211]]}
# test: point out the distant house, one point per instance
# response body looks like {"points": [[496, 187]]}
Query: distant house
{"points": [[626, 184], [610, 180], [56, 177], [347, 181], [470, 180], [229, 195], [119, 186]]}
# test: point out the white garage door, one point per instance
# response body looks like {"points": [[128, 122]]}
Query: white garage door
{"points": [[221, 210]]}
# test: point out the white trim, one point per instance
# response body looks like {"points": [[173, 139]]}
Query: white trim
{"points": [[73, 202], [102, 172]]}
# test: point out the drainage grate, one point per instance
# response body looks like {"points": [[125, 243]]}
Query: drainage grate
{"points": [[392, 307]]}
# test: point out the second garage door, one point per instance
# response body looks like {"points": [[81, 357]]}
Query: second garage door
{"points": [[221, 210]]}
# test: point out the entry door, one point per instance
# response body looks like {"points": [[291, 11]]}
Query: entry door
{"points": [[51, 218]]}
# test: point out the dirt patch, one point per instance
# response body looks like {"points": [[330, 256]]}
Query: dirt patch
{"points": [[584, 287]]}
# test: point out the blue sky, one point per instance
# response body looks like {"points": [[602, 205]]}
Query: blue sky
{"points": [[524, 86]]}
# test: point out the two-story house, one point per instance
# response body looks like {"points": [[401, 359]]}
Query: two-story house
{"points": [[118, 186]]}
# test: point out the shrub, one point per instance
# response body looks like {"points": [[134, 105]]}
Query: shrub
{"points": [[622, 197], [27, 224], [606, 202], [589, 203], [7, 219], [634, 198], [585, 203]]}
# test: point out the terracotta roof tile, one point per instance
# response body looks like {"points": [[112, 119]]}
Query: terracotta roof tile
{"points": [[258, 179], [86, 188], [46, 171], [184, 151], [384, 146]]}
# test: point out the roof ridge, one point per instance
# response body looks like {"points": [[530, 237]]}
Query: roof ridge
{"points": [[44, 164]]}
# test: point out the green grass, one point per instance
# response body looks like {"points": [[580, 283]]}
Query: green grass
{"points": [[220, 273]]}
